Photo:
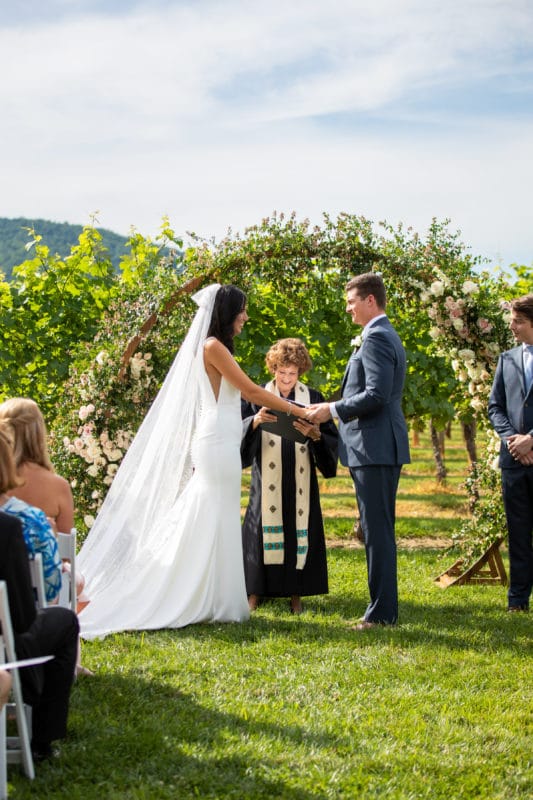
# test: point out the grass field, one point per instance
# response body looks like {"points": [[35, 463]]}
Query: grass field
{"points": [[303, 708]]}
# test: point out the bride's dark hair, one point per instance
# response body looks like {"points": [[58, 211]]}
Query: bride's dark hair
{"points": [[229, 302]]}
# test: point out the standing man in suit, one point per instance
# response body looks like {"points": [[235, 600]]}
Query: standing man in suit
{"points": [[511, 415], [51, 631], [373, 438]]}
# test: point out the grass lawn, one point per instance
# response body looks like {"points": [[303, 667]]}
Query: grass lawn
{"points": [[303, 708]]}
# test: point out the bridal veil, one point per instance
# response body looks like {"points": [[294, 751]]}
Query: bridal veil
{"points": [[155, 469]]}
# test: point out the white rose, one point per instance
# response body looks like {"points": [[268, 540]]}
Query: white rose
{"points": [[467, 355], [458, 324], [102, 357], [469, 287], [437, 288], [92, 471]]}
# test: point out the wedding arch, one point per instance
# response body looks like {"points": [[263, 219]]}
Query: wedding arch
{"points": [[447, 309]]}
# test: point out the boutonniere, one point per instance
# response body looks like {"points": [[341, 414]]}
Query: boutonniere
{"points": [[357, 341]]}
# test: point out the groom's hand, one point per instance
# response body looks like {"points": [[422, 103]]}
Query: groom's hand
{"points": [[319, 412]]}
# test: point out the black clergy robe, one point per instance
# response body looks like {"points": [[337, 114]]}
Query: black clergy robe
{"points": [[284, 580]]}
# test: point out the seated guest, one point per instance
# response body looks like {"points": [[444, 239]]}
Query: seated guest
{"points": [[40, 485], [38, 534], [283, 532], [51, 631]]}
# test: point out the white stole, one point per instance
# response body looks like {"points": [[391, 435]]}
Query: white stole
{"points": [[271, 494]]}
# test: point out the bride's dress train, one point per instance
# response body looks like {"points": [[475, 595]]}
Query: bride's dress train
{"points": [[191, 569]]}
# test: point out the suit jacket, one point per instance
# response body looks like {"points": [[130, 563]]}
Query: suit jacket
{"points": [[372, 425], [15, 571], [510, 406]]}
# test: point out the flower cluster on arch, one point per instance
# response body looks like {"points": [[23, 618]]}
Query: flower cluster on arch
{"points": [[97, 446], [469, 326]]}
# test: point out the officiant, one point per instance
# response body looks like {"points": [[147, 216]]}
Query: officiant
{"points": [[283, 531]]}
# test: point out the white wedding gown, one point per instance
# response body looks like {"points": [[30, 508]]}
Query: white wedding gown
{"points": [[194, 571]]}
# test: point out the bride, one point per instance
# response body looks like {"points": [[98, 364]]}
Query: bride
{"points": [[165, 550]]}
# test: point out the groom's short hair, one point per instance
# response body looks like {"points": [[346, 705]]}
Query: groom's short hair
{"points": [[524, 306], [369, 283]]}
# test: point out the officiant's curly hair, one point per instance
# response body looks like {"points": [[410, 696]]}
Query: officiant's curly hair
{"points": [[229, 302], [288, 353]]}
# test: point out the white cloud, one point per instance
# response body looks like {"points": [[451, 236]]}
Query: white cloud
{"points": [[218, 112]]}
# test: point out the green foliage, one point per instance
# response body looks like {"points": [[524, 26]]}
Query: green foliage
{"points": [[314, 312], [524, 280], [59, 236], [50, 304], [487, 522], [110, 388]]}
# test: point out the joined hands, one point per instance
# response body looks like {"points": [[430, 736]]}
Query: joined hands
{"points": [[318, 412], [520, 447]]}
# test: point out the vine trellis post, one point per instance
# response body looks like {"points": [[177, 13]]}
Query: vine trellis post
{"points": [[148, 324]]}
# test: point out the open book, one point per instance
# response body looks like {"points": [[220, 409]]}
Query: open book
{"points": [[284, 424]]}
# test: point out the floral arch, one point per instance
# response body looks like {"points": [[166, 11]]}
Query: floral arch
{"points": [[447, 310]]}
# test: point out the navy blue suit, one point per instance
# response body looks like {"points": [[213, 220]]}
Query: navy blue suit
{"points": [[511, 412], [374, 444]]}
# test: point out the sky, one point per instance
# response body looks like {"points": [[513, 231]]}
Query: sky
{"points": [[217, 113]]}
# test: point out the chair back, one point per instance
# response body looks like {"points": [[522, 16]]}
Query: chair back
{"points": [[66, 543], [14, 749], [37, 580]]}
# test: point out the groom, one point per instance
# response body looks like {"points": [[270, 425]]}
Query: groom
{"points": [[373, 437]]}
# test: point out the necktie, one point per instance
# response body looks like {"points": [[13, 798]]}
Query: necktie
{"points": [[528, 366]]}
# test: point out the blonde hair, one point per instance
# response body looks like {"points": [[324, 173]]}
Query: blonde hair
{"points": [[27, 430], [8, 470], [288, 352]]}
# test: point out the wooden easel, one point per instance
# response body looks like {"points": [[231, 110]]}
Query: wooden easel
{"points": [[489, 569]]}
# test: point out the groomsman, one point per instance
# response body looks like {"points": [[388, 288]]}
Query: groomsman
{"points": [[373, 438], [511, 415]]}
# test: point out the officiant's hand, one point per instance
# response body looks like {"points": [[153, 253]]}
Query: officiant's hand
{"points": [[319, 412], [308, 429], [263, 415]]}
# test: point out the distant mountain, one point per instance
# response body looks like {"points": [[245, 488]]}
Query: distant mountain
{"points": [[58, 236]]}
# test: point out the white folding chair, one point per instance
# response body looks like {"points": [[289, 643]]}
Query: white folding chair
{"points": [[13, 749], [66, 543], [37, 580]]}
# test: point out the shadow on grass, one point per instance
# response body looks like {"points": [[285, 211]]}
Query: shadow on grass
{"points": [[133, 738]]}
